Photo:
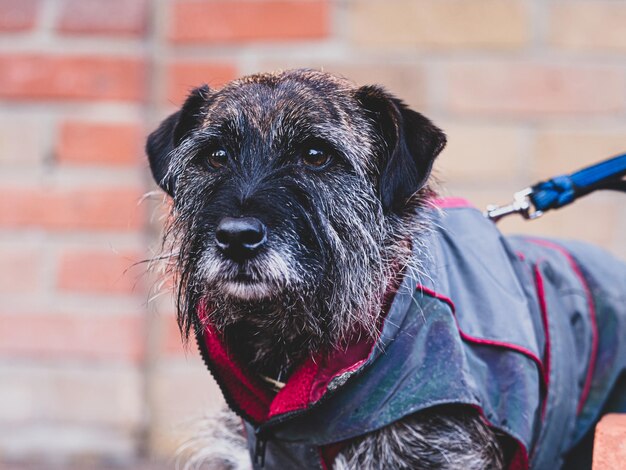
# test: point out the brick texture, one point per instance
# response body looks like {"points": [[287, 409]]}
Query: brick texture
{"points": [[481, 154], [20, 270], [39, 77], [455, 24], [93, 208], [599, 227], [522, 89], [22, 142], [196, 21], [564, 150], [170, 340], [182, 77], [99, 271], [187, 394], [97, 143], [610, 443], [18, 16], [80, 443], [123, 17], [406, 82], [75, 394], [582, 25], [72, 336]]}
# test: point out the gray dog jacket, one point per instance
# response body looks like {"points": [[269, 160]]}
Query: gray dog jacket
{"points": [[530, 332]]}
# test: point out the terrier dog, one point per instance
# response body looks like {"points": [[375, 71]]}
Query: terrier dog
{"points": [[301, 204]]}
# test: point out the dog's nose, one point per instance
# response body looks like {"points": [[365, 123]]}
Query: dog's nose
{"points": [[240, 238]]}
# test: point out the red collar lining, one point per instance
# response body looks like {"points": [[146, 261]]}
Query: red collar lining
{"points": [[307, 384]]}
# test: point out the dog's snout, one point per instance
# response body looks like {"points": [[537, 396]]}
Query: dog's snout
{"points": [[240, 238]]}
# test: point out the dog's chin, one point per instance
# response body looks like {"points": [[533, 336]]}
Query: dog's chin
{"points": [[258, 279], [247, 290]]}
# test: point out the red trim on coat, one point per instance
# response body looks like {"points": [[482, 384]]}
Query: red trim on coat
{"points": [[482, 341], [541, 295], [520, 458], [452, 203], [323, 461], [295, 395], [592, 315], [329, 453], [309, 382]]}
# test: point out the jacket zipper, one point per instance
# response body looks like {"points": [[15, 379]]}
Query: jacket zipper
{"points": [[260, 444], [263, 433]]}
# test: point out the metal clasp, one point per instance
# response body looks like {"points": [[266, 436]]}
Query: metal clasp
{"points": [[521, 205]]}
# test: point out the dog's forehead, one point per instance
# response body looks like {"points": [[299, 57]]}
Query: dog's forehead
{"points": [[293, 100]]}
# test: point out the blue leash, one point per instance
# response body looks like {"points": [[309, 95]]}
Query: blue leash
{"points": [[562, 190]]}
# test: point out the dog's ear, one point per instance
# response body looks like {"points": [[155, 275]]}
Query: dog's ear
{"points": [[412, 142], [170, 133]]}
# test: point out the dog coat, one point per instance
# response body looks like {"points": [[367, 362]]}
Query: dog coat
{"points": [[531, 332]]}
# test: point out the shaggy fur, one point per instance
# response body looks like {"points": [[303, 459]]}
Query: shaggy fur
{"points": [[337, 233], [217, 444], [441, 438]]}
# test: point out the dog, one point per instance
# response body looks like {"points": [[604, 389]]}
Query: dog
{"points": [[304, 226]]}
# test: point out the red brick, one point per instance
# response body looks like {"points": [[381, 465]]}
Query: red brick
{"points": [[530, 89], [93, 208], [184, 76], [123, 17], [59, 336], [171, 341], [609, 451], [19, 270], [101, 272], [85, 143], [248, 20], [39, 77], [18, 15]]}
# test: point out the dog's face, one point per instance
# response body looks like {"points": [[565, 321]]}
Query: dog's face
{"points": [[290, 194]]}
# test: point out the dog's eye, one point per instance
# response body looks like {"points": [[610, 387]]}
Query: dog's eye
{"points": [[218, 158], [316, 157]]}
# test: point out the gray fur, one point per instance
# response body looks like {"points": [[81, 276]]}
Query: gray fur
{"points": [[426, 441], [217, 444]]}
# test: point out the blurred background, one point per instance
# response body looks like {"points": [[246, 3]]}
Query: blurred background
{"points": [[92, 374]]}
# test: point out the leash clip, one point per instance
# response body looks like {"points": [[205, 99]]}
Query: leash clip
{"points": [[521, 204]]}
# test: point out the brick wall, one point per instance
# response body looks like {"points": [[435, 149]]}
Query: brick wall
{"points": [[89, 369]]}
